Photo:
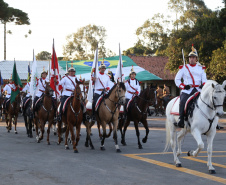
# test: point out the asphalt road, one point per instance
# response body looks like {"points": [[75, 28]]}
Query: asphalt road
{"points": [[24, 161]]}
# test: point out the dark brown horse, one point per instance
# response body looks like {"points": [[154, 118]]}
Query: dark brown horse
{"points": [[72, 118], [137, 112], [1, 102], [44, 114], [12, 112]]}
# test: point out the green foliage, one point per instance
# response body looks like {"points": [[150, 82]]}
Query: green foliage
{"points": [[218, 64], [82, 44], [44, 55]]}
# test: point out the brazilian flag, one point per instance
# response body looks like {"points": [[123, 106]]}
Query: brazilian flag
{"points": [[16, 81]]}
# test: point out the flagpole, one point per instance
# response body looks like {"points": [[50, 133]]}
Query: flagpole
{"points": [[54, 67], [120, 57], [95, 70]]}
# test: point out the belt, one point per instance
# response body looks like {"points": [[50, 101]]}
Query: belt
{"points": [[8, 94], [195, 85], [130, 92], [99, 89], [69, 90], [41, 90]]}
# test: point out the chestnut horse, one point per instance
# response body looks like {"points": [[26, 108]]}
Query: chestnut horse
{"points": [[44, 114], [12, 113], [137, 112], [72, 118]]}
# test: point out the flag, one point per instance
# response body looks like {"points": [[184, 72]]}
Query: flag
{"points": [[1, 79], [119, 75], [34, 77], [94, 71], [16, 81], [28, 73], [55, 74], [66, 67]]}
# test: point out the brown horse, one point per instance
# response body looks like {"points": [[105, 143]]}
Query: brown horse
{"points": [[11, 114], [137, 112], [1, 102], [72, 118], [44, 114], [108, 111]]}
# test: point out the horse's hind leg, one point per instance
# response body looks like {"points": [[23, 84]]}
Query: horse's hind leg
{"points": [[15, 124], [48, 132], [145, 123], [104, 135], [180, 136], [210, 138], [196, 134], [66, 137]]}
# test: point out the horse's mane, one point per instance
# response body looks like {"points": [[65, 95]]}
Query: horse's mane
{"points": [[121, 85]]}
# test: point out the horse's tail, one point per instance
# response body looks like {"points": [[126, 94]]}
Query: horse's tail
{"points": [[167, 145]]}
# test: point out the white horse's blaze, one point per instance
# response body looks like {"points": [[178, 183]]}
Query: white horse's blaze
{"points": [[210, 104]]}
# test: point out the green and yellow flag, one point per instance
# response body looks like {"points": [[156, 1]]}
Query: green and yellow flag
{"points": [[16, 81]]}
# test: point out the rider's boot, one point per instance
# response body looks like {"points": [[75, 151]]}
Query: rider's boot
{"points": [[180, 123], [59, 117]]}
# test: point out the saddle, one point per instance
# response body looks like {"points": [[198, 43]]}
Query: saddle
{"points": [[189, 106], [88, 105]]}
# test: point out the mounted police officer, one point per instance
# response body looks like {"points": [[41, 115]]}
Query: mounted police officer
{"points": [[41, 85], [194, 77], [8, 88], [102, 85], [68, 84], [132, 88]]}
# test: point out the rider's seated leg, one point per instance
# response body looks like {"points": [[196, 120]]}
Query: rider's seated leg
{"points": [[183, 99], [62, 100], [95, 98]]}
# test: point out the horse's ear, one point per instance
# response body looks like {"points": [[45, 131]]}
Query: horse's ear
{"points": [[83, 80], [224, 84], [77, 82], [213, 85]]}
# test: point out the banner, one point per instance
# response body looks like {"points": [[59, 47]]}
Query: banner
{"points": [[34, 77]]}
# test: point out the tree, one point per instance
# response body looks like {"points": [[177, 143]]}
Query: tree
{"points": [[218, 64], [44, 55], [82, 44], [9, 14]]}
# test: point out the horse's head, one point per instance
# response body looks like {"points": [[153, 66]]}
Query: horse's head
{"points": [[120, 92], [78, 91], [217, 95], [48, 89], [149, 95]]}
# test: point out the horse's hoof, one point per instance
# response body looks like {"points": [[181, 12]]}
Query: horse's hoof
{"points": [[54, 133], [118, 151], [92, 147], [212, 172], [178, 165], [144, 140], [48, 143], [140, 147], [8, 131], [16, 132], [75, 151], [86, 145], [33, 129], [189, 153], [58, 143], [102, 148], [123, 143], [38, 141], [66, 147]]}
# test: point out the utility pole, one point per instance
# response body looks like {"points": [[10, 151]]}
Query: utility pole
{"points": [[4, 41]]}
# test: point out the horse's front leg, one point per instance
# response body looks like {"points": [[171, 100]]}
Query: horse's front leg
{"points": [[36, 127], [15, 124], [78, 128], [180, 136], [124, 132], [138, 134], [145, 123], [104, 135], [48, 131], [210, 138], [197, 135], [98, 126], [10, 123], [115, 125], [66, 135]]}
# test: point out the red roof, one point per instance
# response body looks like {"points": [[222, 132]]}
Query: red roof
{"points": [[155, 65]]}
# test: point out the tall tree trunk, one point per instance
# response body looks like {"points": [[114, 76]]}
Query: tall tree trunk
{"points": [[4, 41]]}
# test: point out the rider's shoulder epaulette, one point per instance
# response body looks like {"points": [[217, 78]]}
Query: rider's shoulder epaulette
{"points": [[204, 67], [139, 82], [181, 66]]}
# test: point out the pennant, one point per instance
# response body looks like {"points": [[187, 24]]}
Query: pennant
{"points": [[119, 75], [94, 71], [34, 77], [28, 73], [16, 82], [55, 74]]}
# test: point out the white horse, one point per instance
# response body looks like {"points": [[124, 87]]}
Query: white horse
{"points": [[204, 121]]}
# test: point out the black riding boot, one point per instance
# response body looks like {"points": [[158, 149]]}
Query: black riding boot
{"points": [[180, 122]]}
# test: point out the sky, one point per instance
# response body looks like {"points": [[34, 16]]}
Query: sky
{"points": [[56, 19]]}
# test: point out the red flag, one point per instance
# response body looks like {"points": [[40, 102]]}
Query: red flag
{"points": [[55, 74]]}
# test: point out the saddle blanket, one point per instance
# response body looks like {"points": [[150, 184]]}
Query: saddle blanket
{"points": [[176, 104], [89, 104], [127, 107]]}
